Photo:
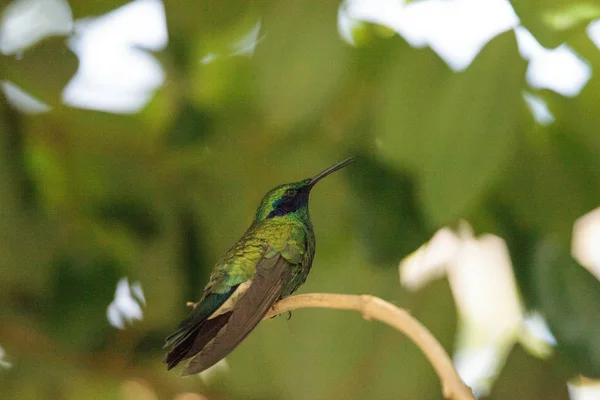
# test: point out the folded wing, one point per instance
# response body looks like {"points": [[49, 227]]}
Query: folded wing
{"points": [[271, 275]]}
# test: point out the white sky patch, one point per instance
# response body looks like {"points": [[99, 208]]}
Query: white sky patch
{"points": [[588, 391], [593, 31], [539, 109], [25, 22], [560, 69], [430, 261], [23, 101], [346, 24], [126, 306], [114, 73], [457, 30], [586, 240]]}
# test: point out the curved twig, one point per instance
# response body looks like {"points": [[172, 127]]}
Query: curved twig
{"points": [[375, 308]]}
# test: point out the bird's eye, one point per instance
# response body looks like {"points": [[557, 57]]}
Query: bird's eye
{"points": [[290, 192]]}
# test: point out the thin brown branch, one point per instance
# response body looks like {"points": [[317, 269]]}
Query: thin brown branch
{"points": [[375, 308]]}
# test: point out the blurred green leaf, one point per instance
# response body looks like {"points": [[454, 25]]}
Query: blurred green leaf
{"points": [[549, 186], [473, 137], [221, 74], [525, 377], [13, 154], [574, 135], [550, 280], [135, 215], [82, 288], [521, 239], [190, 22], [569, 296], [44, 164], [409, 88], [190, 17], [301, 61], [190, 127], [388, 219], [194, 263], [469, 134], [552, 22], [223, 83], [29, 70]]}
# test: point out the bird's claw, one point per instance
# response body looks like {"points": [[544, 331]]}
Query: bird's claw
{"points": [[273, 309], [277, 315]]}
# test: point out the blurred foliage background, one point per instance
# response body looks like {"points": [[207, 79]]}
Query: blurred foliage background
{"points": [[120, 187]]}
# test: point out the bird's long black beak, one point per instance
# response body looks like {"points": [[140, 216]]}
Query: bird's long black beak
{"points": [[330, 170]]}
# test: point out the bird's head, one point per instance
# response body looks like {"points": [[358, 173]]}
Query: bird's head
{"points": [[292, 198]]}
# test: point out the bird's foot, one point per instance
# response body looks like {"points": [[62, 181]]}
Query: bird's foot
{"points": [[273, 309], [279, 315]]}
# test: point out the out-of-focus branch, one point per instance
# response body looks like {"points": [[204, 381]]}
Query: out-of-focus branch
{"points": [[375, 308]]}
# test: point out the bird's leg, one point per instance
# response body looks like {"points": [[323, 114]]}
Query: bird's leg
{"points": [[273, 309], [191, 304]]}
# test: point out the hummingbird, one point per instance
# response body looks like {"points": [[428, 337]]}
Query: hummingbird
{"points": [[268, 263]]}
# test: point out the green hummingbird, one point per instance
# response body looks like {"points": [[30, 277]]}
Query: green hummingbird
{"points": [[270, 261]]}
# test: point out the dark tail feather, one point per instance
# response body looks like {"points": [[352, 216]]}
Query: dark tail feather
{"points": [[189, 341], [196, 329]]}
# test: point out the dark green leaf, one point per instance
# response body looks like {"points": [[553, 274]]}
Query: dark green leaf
{"points": [[524, 377], [389, 219], [12, 150], [43, 70], [135, 215], [569, 296], [190, 127], [551, 186], [473, 137], [521, 240], [83, 288]]}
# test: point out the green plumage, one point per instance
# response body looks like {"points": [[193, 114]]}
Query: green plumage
{"points": [[270, 261], [288, 235]]}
